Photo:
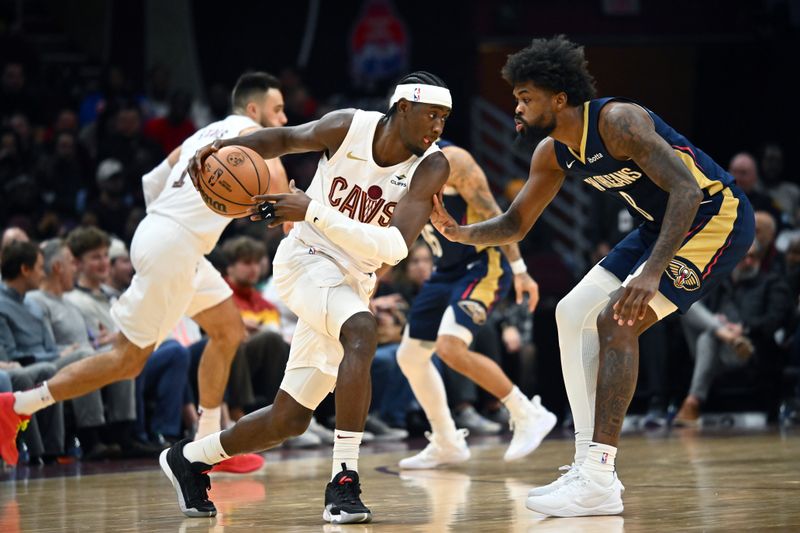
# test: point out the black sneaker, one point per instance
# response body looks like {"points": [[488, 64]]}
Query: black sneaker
{"points": [[190, 480], [342, 502]]}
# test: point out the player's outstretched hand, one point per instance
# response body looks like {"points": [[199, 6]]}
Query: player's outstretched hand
{"points": [[280, 208], [442, 221], [632, 305], [525, 284], [195, 166]]}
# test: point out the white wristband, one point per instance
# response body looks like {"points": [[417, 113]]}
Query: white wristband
{"points": [[518, 266]]}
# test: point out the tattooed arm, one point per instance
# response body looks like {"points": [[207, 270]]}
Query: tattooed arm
{"points": [[629, 133], [468, 178], [543, 183]]}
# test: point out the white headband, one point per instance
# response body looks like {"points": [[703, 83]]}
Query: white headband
{"points": [[425, 94]]}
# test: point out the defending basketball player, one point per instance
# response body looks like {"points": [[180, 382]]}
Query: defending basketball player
{"points": [[172, 279], [450, 308], [696, 226], [369, 200]]}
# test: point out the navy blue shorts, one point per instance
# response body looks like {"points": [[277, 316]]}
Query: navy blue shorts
{"points": [[719, 237], [472, 292]]}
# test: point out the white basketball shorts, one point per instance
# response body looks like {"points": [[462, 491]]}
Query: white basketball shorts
{"points": [[173, 279], [323, 296]]}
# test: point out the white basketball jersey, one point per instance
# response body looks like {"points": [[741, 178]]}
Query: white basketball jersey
{"points": [[352, 182], [180, 201]]}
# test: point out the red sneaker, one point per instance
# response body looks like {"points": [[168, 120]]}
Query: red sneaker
{"points": [[10, 424], [240, 464]]}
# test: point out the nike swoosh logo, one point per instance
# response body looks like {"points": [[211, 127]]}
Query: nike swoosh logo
{"points": [[706, 202], [569, 165], [351, 156], [315, 219], [341, 437]]}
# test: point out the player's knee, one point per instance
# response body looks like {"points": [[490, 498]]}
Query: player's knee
{"points": [[295, 425], [412, 354], [453, 351], [568, 313], [230, 334], [360, 334], [606, 324]]}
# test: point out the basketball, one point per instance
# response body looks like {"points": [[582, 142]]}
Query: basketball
{"points": [[231, 177]]}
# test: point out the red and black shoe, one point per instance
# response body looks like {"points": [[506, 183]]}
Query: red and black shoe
{"points": [[342, 500], [10, 424]]}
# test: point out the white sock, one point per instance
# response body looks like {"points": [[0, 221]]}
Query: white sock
{"points": [[414, 359], [599, 463], [516, 403], [576, 318], [345, 450], [207, 450], [29, 401], [209, 421]]}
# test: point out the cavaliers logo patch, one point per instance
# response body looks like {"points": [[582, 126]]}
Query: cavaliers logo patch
{"points": [[235, 158], [475, 310], [683, 276]]}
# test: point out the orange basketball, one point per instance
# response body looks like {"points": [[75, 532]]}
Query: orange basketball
{"points": [[231, 177]]}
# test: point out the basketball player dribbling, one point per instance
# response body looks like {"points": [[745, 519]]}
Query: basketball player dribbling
{"points": [[696, 226], [369, 200], [173, 279]]}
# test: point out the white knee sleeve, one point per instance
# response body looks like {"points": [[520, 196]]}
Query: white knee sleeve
{"points": [[414, 359], [576, 318]]}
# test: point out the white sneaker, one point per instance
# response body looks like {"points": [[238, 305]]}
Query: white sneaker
{"points": [[325, 435], [579, 496], [530, 430], [569, 472], [439, 452]]}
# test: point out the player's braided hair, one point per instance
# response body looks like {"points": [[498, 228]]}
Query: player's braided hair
{"points": [[556, 64], [421, 77]]}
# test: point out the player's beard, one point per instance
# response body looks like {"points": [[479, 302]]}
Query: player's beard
{"points": [[532, 134]]}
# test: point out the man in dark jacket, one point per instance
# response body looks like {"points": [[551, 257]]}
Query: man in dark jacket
{"points": [[736, 322]]}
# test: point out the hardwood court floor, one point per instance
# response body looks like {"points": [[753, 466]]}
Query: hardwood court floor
{"points": [[675, 482]]}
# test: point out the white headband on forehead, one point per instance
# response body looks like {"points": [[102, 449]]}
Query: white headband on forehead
{"points": [[424, 94]]}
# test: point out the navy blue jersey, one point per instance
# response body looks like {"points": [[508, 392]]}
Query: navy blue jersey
{"points": [[450, 256], [625, 180]]}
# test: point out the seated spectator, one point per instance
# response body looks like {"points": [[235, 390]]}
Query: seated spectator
{"points": [[90, 247], [735, 323], [744, 170], [120, 271], [771, 259], [113, 403], [26, 351], [171, 130], [785, 194], [260, 362]]}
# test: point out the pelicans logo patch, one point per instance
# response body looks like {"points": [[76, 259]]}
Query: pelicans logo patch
{"points": [[683, 276], [475, 310]]}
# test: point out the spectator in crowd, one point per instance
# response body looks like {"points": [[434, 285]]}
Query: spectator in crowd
{"points": [[785, 194], [64, 321], [89, 246], [260, 362], [63, 175], [112, 201], [126, 143], [12, 234], [171, 130], [26, 354], [15, 94], [734, 324], [120, 270], [744, 170], [771, 259]]}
